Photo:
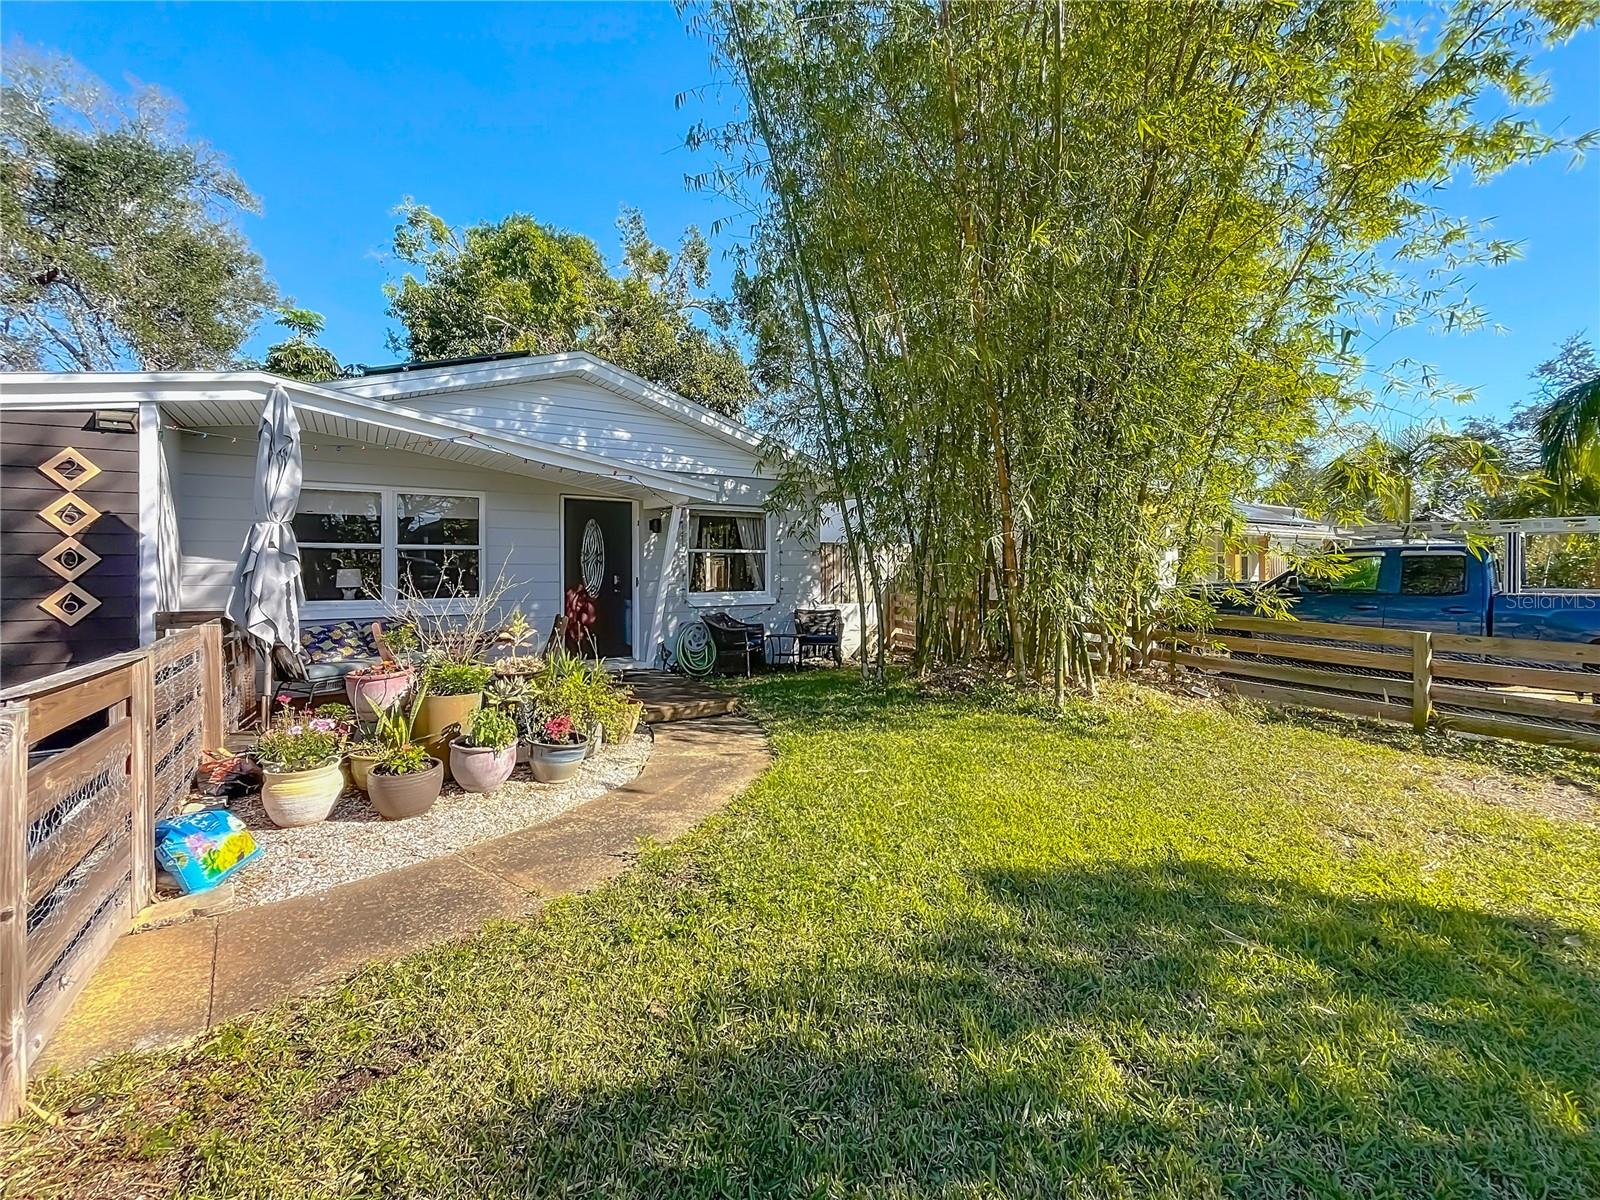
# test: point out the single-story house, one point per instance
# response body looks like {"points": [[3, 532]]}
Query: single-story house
{"points": [[1266, 535], [128, 495]]}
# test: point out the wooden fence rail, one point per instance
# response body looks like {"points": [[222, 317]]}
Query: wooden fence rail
{"points": [[90, 759], [1501, 687]]}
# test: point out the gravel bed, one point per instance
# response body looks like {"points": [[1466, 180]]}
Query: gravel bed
{"points": [[355, 842]]}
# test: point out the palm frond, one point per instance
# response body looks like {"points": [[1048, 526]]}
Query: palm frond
{"points": [[1569, 435]]}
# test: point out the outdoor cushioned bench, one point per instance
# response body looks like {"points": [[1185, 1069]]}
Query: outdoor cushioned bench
{"points": [[329, 652]]}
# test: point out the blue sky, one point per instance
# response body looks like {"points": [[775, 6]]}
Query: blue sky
{"points": [[334, 113]]}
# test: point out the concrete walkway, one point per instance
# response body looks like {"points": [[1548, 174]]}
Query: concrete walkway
{"points": [[169, 984]]}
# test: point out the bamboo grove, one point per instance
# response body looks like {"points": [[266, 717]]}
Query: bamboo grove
{"points": [[1039, 291]]}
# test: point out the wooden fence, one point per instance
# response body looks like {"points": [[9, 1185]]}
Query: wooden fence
{"points": [[1532, 691], [90, 759]]}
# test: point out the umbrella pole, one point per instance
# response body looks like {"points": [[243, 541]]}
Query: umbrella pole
{"points": [[266, 698]]}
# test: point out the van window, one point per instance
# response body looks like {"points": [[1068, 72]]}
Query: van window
{"points": [[1360, 575], [1433, 574]]}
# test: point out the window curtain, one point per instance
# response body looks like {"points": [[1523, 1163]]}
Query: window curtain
{"points": [[753, 536]]}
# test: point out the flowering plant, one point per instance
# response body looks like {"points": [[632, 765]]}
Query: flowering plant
{"points": [[301, 741], [557, 731]]}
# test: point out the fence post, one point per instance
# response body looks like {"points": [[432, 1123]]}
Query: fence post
{"points": [[141, 780], [1421, 679], [212, 668], [13, 907]]}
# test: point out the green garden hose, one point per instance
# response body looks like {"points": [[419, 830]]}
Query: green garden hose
{"points": [[694, 651]]}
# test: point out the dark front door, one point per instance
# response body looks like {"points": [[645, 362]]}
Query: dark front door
{"points": [[597, 575]]}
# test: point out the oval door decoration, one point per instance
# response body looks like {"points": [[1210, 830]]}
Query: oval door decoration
{"points": [[592, 557]]}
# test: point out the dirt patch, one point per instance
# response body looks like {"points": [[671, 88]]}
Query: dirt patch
{"points": [[1551, 798]]}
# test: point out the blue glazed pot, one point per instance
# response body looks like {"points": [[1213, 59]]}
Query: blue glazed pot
{"points": [[556, 764]]}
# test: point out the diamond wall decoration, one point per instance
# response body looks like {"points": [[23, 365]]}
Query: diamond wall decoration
{"points": [[69, 558], [69, 604], [69, 468], [70, 513]]}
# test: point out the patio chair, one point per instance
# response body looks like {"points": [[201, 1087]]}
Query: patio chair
{"points": [[819, 632], [329, 652], [740, 645]]}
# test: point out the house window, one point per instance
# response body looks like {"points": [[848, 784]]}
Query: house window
{"points": [[439, 543], [358, 545], [341, 543], [728, 553]]}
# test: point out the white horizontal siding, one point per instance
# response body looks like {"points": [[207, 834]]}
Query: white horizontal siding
{"points": [[795, 564], [583, 416], [521, 521], [213, 480]]}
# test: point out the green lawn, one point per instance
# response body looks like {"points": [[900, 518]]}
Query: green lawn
{"points": [[945, 948]]}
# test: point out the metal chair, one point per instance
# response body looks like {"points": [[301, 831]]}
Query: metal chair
{"points": [[740, 644], [819, 632]]}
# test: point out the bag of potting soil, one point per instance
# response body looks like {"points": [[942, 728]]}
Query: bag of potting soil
{"points": [[201, 849]]}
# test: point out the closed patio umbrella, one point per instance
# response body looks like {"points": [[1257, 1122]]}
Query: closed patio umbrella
{"points": [[267, 592]]}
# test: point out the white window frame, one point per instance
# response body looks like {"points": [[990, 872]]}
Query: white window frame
{"points": [[766, 596], [389, 531]]}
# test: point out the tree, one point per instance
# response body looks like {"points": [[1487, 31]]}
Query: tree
{"points": [[119, 246], [1046, 288], [1421, 472], [1567, 423], [299, 356], [518, 284]]}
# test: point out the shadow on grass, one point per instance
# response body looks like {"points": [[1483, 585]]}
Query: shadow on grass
{"points": [[1177, 1030]]}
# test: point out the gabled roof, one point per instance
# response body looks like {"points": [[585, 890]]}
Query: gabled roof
{"points": [[575, 364]]}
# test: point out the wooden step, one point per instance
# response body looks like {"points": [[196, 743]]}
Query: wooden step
{"points": [[669, 697]]}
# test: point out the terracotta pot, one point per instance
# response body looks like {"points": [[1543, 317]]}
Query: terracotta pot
{"points": [[556, 764], [479, 769], [360, 764], [301, 797], [368, 693], [397, 797]]}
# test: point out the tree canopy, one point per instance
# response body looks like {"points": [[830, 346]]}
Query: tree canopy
{"points": [[519, 284], [299, 356], [1046, 288], [118, 242]]}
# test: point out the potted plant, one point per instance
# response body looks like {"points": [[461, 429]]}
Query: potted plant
{"points": [[378, 686], [515, 635], [512, 694], [484, 756], [404, 782], [361, 755], [453, 692], [405, 779], [556, 748], [300, 756]]}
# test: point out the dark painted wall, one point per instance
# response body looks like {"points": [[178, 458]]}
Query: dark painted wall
{"points": [[33, 643]]}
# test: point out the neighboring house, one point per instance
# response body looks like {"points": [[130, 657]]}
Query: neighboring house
{"points": [[1258, 551], [559, 469]]}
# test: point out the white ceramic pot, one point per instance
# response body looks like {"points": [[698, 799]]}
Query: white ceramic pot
{"points": [[301, 797]]}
